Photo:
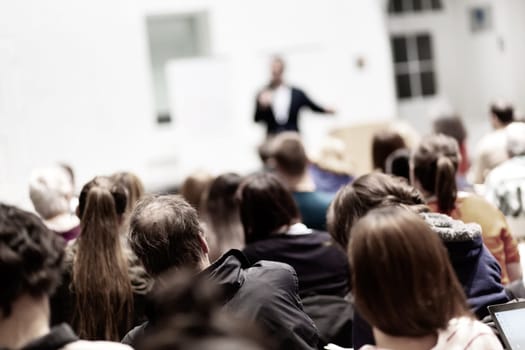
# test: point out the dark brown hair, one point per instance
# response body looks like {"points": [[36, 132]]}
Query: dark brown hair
{"points": [[450, 125], [31, 257], [503, 111], [384, 142], [165, 234], [287, 150], [403, 282], [265, 206], [187, 314], [366, 193], [221, 211], [101, 282], [435, 162]]}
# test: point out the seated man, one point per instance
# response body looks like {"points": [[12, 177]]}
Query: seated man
{"points": [[165, 235], [30, 268], [288, 158]]}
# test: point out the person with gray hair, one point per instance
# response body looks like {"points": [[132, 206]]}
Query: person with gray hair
{"points": [[51, 191]]}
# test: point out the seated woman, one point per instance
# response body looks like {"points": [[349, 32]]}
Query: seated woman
{"points": [[405, 287], [220, 213], [273, 231], [435, 165], [100, 295]]}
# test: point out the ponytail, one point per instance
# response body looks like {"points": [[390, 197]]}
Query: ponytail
{"points": [[101, 282], [446, 188], [435, 162]]}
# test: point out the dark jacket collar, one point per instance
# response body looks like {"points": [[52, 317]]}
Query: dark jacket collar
{"points": [[228, 272], [57, 338]]}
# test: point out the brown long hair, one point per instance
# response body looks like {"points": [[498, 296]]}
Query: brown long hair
{"points": [[435, 163], [101, 283], [404, 284]]}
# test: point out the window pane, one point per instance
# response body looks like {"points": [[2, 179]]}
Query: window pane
{"points": [[396, 6], [403, 86], [424, 47], [436, 5], [417, 5], [428, 84], [399, 49]]}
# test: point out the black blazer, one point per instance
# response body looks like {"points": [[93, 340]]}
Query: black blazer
{"points": [[299, 100]]}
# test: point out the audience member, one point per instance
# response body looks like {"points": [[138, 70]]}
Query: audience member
{"points": [[274, 232], [435, 164], [73, 202], [166, 235], [410, 296], [51, 192], [99, 296], [133, 186], [331, 170], [452, 125], [505, 184], [221, 214], [31, 258], [194, 188], [189, 316], [384, 142], [398, 163], [290, 162], [492, 148], [475, 267]]}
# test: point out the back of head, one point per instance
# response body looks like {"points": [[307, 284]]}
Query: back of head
{"points": [[133, 186], [435, 163], [364, 194], [31, 258], [221, 208], [265, 206], [189, 315], [398, 163], [165, 234], [503, 111], [515, 133], [100, 269], [194, 187], [384, 142], [50, 190], [450, 125], [403, 282], [332, 157], [287, 151]]}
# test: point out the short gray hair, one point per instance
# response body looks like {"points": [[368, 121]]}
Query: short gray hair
{"points": [[50, 190], [515, 139]]}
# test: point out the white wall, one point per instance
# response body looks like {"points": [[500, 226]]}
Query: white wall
{"points": [[471, 68], [75, 83]]}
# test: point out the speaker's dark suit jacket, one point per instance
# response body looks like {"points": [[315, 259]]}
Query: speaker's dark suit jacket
{"points": [[299, 100]]}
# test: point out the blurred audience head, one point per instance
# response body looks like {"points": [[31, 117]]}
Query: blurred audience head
{"points": [[221, 212], [188, 314], [412, 256], [502, 114], [194, 187], [101, 281], [367, 192], [384, 142], [133, 185], [31, 258], [288, 155], [398, 163], [50, 190], [435, 164], [332, 157], [165, 234], [450, 125], [515, 133], [266, 206]]}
